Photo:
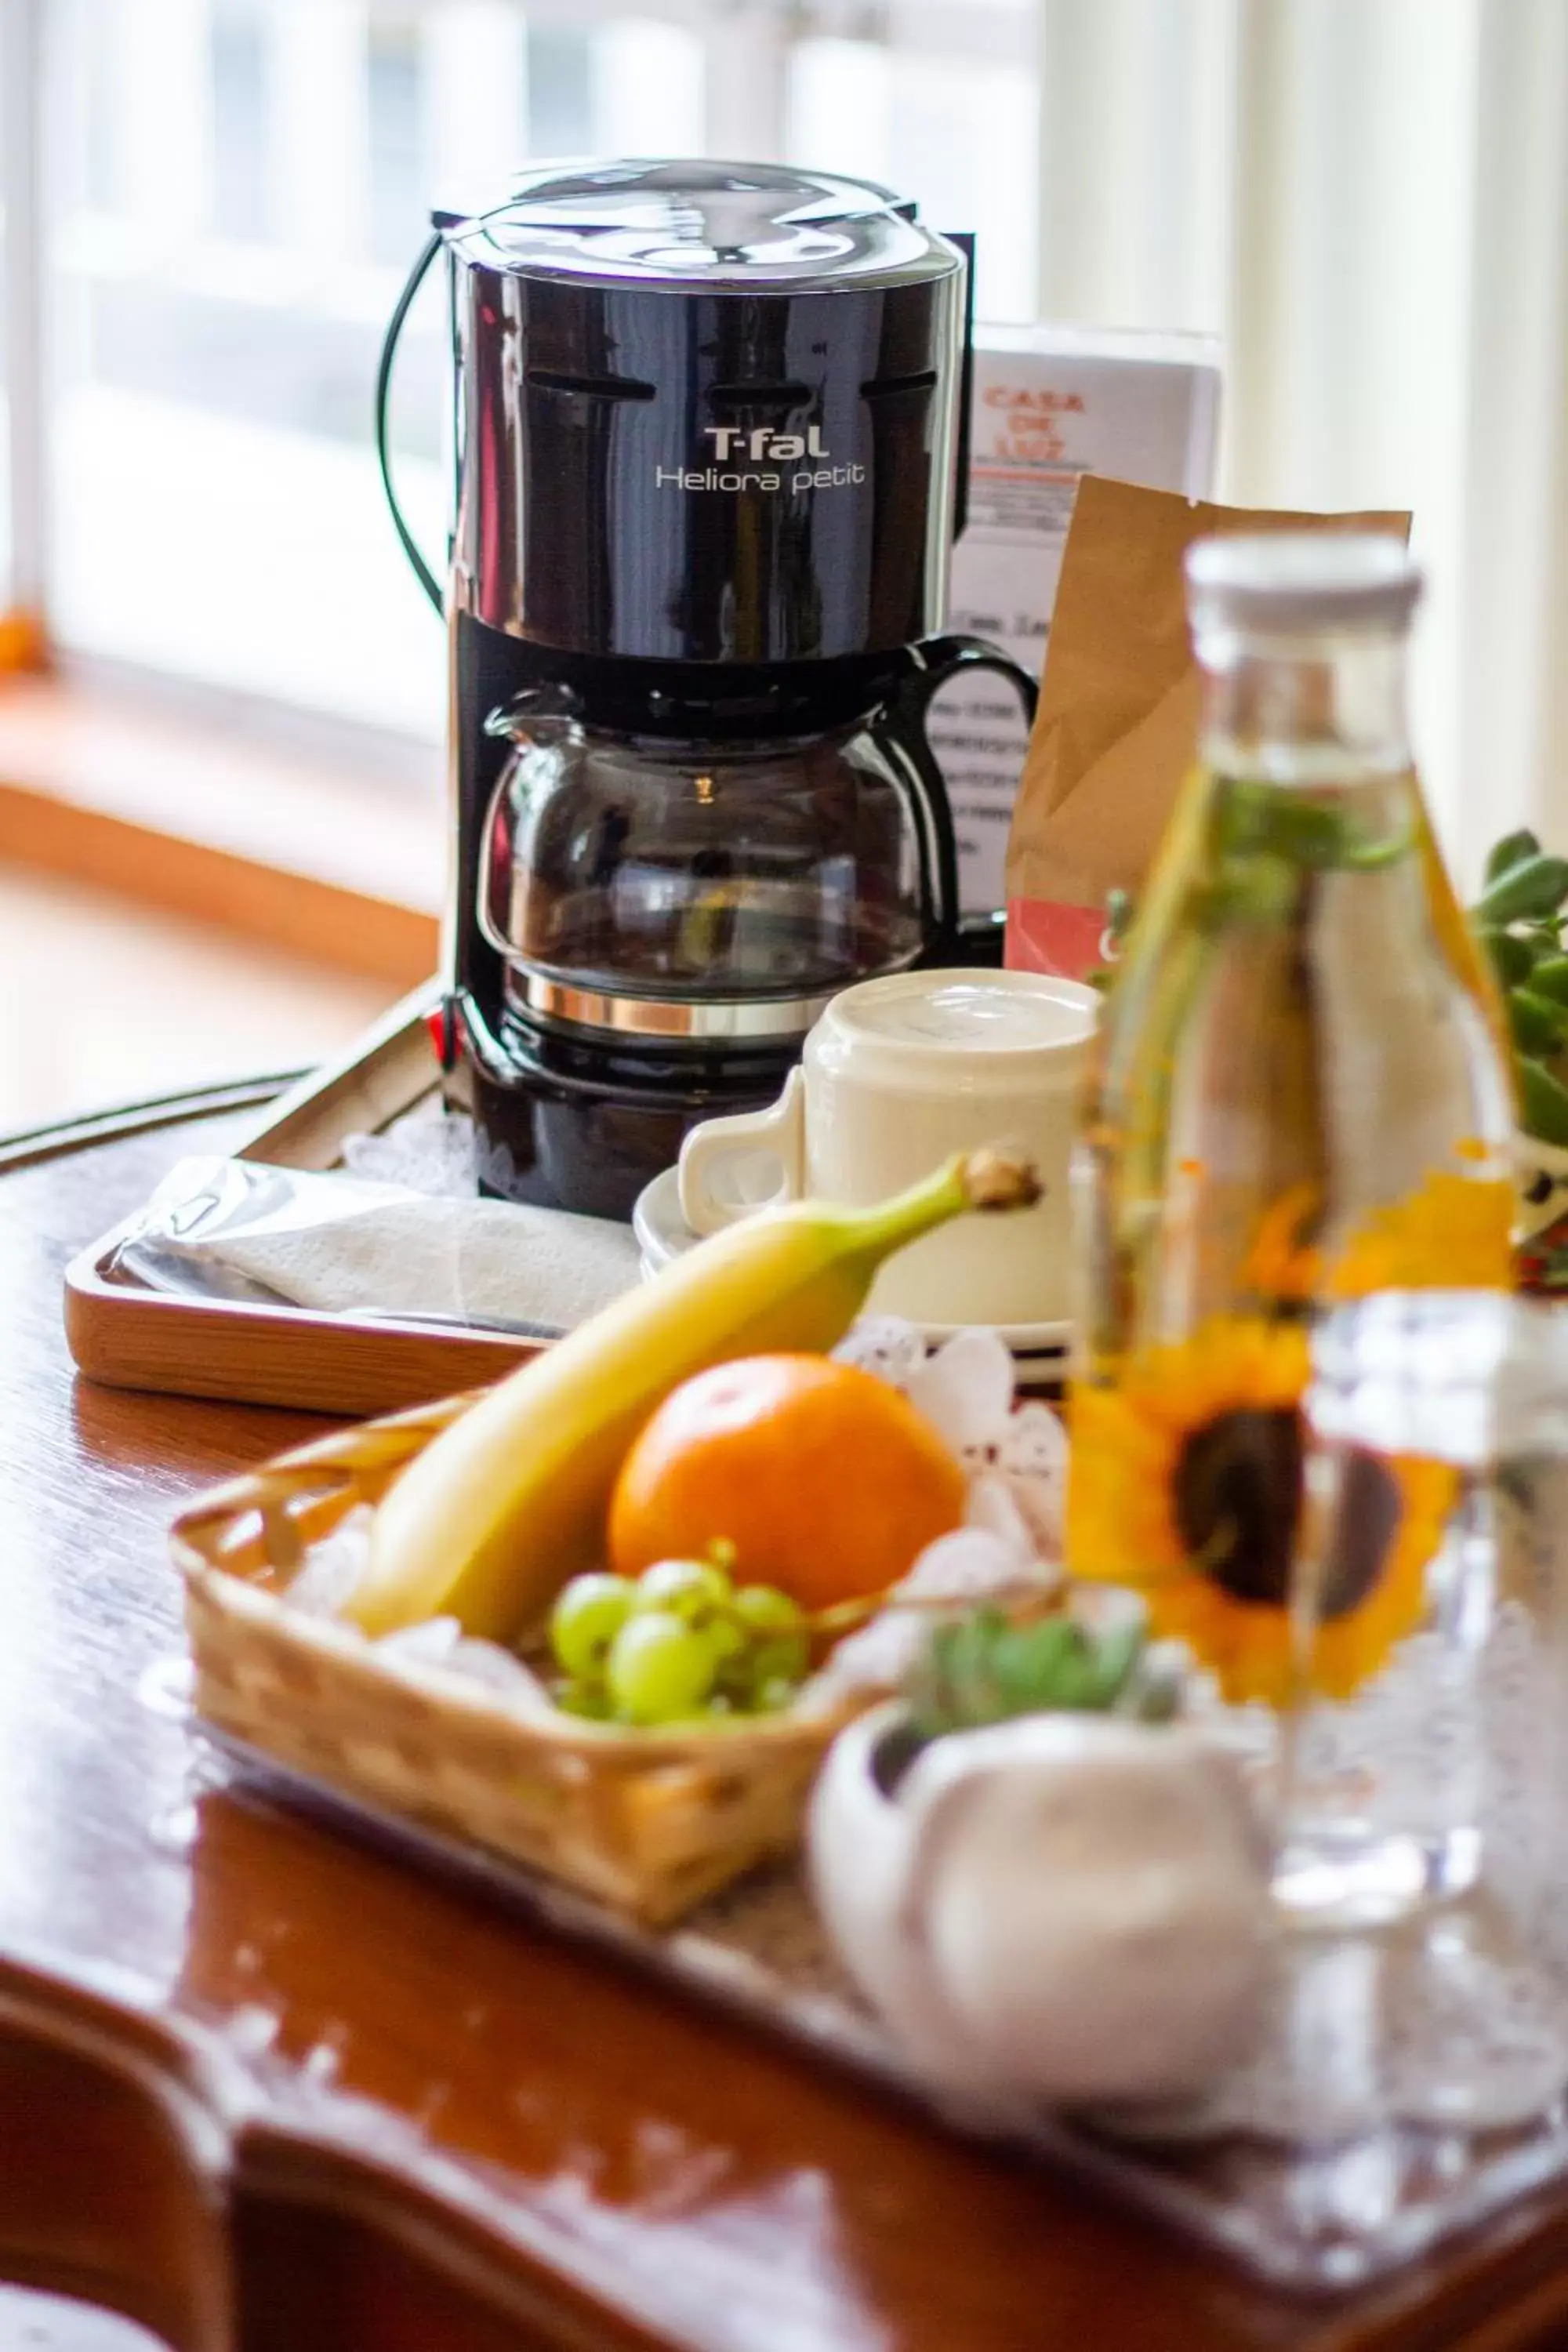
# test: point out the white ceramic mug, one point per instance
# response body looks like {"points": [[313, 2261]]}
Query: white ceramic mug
{"points": [[897, 1074]]}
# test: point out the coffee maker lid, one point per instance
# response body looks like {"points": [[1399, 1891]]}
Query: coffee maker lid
{"points": [[708, 225]]}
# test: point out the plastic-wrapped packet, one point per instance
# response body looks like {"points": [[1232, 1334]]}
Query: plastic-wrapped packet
{"points": [[338, 1244]]}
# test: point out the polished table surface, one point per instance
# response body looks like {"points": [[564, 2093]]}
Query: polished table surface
{"points": [[261, 2087]]}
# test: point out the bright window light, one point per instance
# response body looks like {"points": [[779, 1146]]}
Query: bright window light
{"points": [[237, 188]]}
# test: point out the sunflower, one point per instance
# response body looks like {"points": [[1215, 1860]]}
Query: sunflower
{"points": [[1185, 1480], [1280, 1265], [1455, 1232]]}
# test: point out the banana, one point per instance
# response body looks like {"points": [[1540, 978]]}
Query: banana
{"points": [[489, 1521]]}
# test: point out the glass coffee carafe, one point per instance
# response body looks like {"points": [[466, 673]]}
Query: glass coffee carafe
{"points": [[697, 889]]}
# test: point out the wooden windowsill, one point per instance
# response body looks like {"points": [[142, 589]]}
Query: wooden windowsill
{"points": [[181, 810]]}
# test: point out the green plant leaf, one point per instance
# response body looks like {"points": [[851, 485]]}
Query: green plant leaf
{"points": [[1550, 978], [1537, 1022], [1510, 851], [1511, 957], [1030, 1664], [1537, 888], [983, 1669], [1543, 1101]]}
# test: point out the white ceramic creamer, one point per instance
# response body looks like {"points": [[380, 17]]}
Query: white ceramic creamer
{"points": [[1060, 1911]]}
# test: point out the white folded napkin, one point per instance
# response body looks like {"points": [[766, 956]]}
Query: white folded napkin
{"points": [[345, 1245]]}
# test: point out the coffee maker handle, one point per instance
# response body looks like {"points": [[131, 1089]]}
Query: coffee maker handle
{"points": [[416, 276], [935, 662], [939, 660]]}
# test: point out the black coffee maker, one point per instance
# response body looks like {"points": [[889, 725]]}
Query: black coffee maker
{"points": [[708, 445]]}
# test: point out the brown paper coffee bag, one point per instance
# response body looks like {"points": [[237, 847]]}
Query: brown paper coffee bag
{"points": [[1117, 725]]}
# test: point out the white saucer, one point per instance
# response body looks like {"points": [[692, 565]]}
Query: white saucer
{"points": [[663, 1236]]}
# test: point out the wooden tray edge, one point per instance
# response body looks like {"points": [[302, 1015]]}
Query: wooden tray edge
{"points": [[123, 1336], [286, 1356]]}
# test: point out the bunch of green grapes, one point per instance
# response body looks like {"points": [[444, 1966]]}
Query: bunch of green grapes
{"points": [[684, 1642]]}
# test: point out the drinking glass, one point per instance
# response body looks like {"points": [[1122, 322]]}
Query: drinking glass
{"points": [[1436, 1449]]}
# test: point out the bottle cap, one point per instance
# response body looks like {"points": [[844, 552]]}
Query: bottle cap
{"points": [[1295, 582]]}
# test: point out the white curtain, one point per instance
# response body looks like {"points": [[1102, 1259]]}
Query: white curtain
{"points": [[1369, 199]]}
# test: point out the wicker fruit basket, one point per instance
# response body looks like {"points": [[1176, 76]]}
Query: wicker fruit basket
{"points": [[646, 1822]]}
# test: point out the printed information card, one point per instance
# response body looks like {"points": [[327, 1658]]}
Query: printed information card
{"points": [[1051, 404]]}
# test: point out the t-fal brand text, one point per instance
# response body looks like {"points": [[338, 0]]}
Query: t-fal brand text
{"points": [[761, 459]]}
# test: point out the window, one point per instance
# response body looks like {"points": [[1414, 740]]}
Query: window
{"points": [[1366, 200], [237, 188]]}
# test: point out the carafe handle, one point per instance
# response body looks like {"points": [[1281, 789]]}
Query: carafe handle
{"points": [[933, 664], [490, 930], [544, 714]]}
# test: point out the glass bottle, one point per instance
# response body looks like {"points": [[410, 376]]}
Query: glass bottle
{"points": [[1301, 1096]]}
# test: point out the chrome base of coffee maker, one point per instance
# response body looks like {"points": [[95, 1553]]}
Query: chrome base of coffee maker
{"points": [[717, 1020]]}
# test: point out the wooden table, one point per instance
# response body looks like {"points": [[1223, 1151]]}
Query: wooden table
{"points": [[261, 2087]]}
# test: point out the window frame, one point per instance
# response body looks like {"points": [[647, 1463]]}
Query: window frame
{"points": [[22, 135]]}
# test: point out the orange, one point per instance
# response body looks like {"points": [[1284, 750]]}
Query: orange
{"points": [[826, 1481]]}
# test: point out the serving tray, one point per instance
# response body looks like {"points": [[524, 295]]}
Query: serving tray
{"points": [[1382, 2111], [1319, 2221], [123, 1331]]}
